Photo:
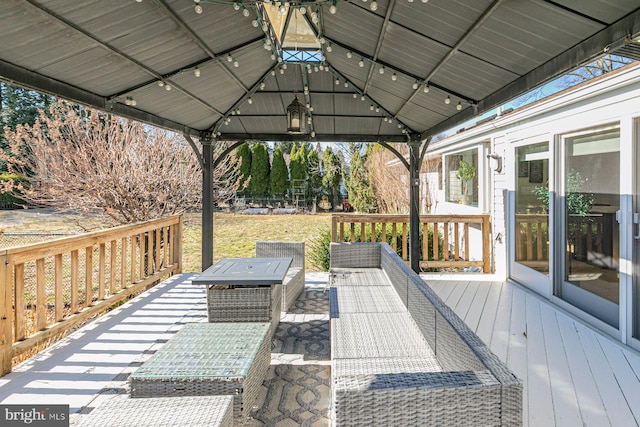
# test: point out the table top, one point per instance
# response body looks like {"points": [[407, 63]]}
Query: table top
{"points": [[245, 272], [206, 351]]}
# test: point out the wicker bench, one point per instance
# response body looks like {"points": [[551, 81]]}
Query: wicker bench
{"points": [[401, 357], [205, 359], [121, 411], [293, 284]]}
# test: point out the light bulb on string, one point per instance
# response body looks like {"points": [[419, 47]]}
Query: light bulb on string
{"points": [[196, 72], [197, 7], [381, 70], [236, 6], [167, 86], [349, 55], [426, 89], [394, 77], [459, 106], [447, 100], [250, 101], [361, 63], [333, 9], [373, 6], [246, 13], [415, 85]]}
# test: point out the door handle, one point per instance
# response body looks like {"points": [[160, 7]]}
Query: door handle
{"points": [[636, 222]]}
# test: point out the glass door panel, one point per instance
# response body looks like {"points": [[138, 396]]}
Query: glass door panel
{"points": [[532, 207], [590, 198]]}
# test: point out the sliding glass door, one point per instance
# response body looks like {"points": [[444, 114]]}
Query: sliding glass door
{"points": [[589, 196]]}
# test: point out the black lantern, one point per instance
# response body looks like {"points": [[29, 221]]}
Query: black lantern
{"points": [[296, 117]]}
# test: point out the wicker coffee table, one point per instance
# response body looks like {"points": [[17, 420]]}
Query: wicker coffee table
{"points": [[205, 359]]}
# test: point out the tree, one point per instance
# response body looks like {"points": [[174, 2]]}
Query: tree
{"points": [[361, 195], [332, 173], [244, 155], [390, 184], [19, 106], [279, 174], [260, 170], [298, 162], [82, 159], [314, 180]]}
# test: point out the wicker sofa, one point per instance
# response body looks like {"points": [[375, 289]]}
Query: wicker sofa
{"points": [[401, 357], [293, 283]]}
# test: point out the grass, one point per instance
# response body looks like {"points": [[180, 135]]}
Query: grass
{"points": [[234, 234]]}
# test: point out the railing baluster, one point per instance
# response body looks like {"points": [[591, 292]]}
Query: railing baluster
{"points": [[456, 241], [445, 242], [436, 243], [467, 255], [425, 241], [123, 263], [143, 254], [112, 267], [383, 233], [529, 243], [58, 298], [88, 276], [102, 254], [405, 252], [41, 296], [374, 238], [19, 303], [74, 281], [394, 237], [133, 260]]}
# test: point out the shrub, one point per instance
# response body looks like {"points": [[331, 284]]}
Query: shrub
{"points": [[9, 195]]}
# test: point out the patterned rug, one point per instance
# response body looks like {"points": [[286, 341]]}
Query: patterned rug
{"points": [[298, 386]]}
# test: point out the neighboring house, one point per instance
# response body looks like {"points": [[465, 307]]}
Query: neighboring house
{"points": [[565, 204]]}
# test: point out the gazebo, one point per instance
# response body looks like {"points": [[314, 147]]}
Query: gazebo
{"points": [[387, 71]]}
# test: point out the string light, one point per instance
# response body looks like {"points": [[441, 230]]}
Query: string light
{"points": [[197, 7], [361, 63], [459, 106], [246, 13], [196, 72], [236, 6], [250, 101], [447, 100], [167, 86], [236, 63], [333, 9], [426, 88], [349, 55], [394, 77], [374, 5], [415, 85]]}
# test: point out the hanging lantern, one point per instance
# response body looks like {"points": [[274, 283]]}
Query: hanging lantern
{"points": [[296, 117]]}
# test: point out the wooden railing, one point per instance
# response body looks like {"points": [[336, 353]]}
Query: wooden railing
{"points": [[450, 249], [47, 288]]}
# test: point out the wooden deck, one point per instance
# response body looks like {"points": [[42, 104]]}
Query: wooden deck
{"points": [[573, 374]]}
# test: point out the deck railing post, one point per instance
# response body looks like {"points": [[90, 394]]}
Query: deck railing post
{"points": [[6, 326], [334, 228], [486, 244]]}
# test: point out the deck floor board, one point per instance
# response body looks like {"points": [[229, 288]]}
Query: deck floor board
{"points": [[573, 375]]}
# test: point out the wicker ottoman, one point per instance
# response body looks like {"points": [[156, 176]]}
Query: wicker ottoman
{"points": [[122, 411], [205, 359]]}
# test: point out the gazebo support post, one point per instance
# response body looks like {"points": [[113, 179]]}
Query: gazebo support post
{"points": [[207, 203], [414, 203]]}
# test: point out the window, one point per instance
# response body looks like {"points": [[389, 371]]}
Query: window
{"points": [[461, 177]]}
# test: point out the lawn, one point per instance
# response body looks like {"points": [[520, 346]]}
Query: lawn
{"points": [[234, 234]]}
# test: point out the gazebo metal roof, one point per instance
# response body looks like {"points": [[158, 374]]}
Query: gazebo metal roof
{"points": [[478, 53], [233, 67]]}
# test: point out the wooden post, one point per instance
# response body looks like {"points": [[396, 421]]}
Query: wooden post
{"points": [[334, 228], [177, 242], [486, 244], [6, 327]]}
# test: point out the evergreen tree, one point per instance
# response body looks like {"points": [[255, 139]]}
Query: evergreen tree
{"points": [[358, 184], [331, 173], [279, 174], [244, 155], [19, 106], [298, 168], [259, 170], [314, 180]]}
